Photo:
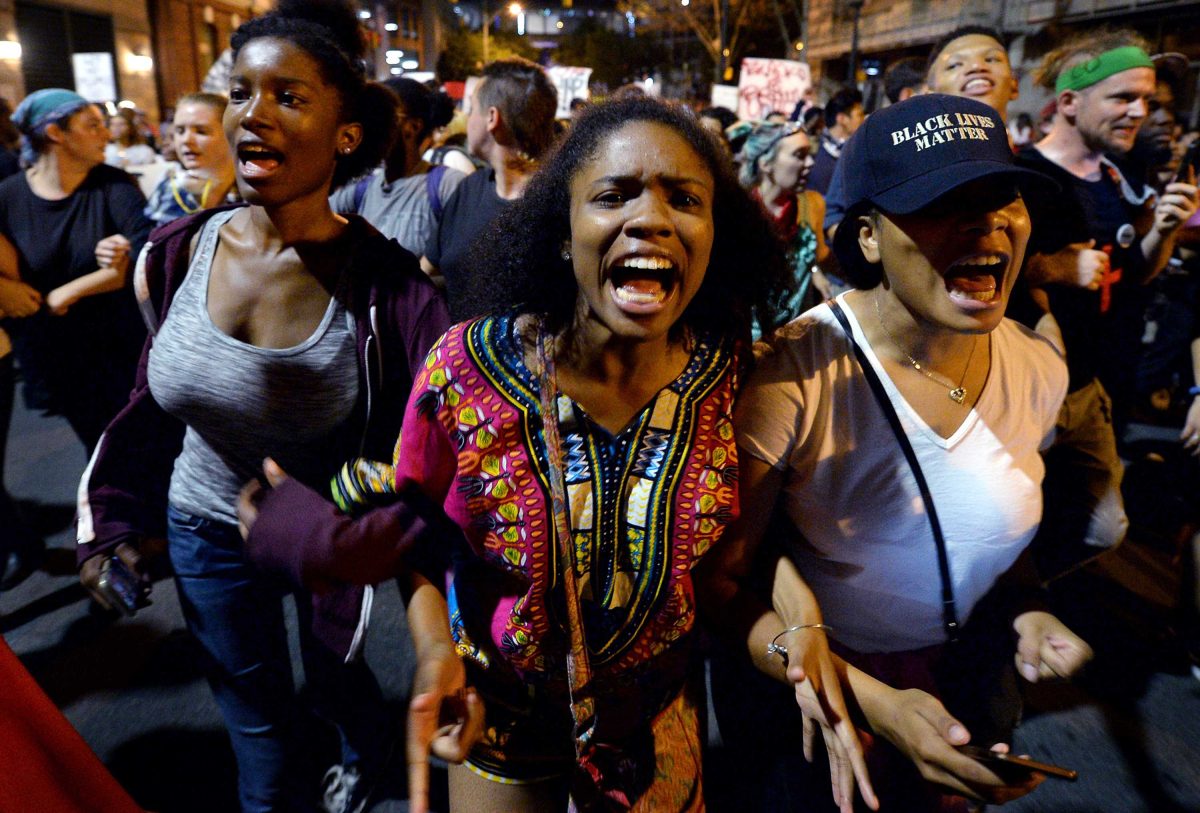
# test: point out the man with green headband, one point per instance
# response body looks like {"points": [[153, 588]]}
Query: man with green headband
{"points": [[1103, 82]]}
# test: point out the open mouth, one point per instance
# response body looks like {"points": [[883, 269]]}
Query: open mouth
{"points": [[257, 160], [642, 284], [978, 86], [975, 281]]}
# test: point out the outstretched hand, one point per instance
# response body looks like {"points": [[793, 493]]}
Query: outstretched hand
{"points": [[1190, 434], [445, 719], [817, 679]]}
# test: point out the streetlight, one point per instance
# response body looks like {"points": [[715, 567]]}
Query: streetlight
{"points": [[486, 21], [856, 7], [515, 10]]}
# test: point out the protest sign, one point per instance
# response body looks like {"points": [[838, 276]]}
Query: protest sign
{"points": [[571, 83], [94, 76], [724, 96], [771, 86]]}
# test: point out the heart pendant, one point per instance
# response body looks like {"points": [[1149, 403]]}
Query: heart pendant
{"points": [[958, 395]]}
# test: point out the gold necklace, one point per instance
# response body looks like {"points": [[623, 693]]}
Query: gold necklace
{"points": [[957, 394]]}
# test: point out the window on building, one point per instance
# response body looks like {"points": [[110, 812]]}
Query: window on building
{"points": [[47, 33]]}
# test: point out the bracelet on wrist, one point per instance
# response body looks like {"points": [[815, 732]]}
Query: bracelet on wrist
{"points": [[776, 648]]}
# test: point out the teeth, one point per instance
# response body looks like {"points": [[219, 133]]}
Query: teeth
{"points": [[984, 260], [640, 297], [977, 84], [981, 296], [648, 263]]}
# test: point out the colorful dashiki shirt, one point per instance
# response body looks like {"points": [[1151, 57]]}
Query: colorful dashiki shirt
{"points": [[645, 504]]}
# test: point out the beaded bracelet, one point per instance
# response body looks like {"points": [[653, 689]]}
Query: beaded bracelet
{"points": [[776, 648]]}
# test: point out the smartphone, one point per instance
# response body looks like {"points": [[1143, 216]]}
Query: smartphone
{"points": [[1191, 157], [124, 590], [1008, 764]]}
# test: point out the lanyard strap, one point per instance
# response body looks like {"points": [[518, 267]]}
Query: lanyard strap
{"points": [[949, 611], [579, 668]]}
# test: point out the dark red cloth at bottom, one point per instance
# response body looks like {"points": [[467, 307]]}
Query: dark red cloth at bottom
{"points": [[44, 764]]}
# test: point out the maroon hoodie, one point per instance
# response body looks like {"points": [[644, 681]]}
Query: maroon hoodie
{"points": [[398, 314]]}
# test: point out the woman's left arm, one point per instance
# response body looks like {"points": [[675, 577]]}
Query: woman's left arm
{"points": [[102, 281], [816, 215], [126, 206], [17, 299], [730, 607], [1190, 435]]}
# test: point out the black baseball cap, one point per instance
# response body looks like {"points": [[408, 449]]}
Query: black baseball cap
{"points": [[907, 155]]}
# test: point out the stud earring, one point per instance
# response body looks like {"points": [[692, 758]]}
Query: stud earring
{"points": [[566, 254]]}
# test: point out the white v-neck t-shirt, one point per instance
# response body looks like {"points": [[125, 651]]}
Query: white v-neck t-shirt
{"points": [[861, 536]]}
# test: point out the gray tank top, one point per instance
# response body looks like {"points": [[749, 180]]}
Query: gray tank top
{"points": [[242, 403]]}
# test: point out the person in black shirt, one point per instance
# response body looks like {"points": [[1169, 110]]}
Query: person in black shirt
{"points": [[69, 226], [843, 116], [511, 124], [1103, 83]]}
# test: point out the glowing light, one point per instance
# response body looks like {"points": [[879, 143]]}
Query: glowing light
{"points": [[558, 24], [391, 27], [363, 14], [410, 64], [514, 9], [10, 49], [685, 2], [139, 63], [799, 46]]}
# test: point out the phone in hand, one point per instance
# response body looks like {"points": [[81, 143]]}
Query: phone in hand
{"points": [[1015, 767], [1191, 158], [124, 590]]}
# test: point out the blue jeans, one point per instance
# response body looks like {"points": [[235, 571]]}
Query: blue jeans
{"points": [[236, 615]]}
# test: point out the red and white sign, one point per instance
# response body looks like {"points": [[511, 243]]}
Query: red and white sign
{"points": [[771, 86]]}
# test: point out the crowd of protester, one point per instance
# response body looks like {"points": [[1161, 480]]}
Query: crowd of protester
{"points": [[847, 390]]}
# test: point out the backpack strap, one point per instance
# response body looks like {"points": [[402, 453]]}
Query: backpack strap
{"points": [[949, 609], [433, 180], [360, 192]]}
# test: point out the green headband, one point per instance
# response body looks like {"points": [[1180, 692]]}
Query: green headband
{"points": [[1088, 73]]}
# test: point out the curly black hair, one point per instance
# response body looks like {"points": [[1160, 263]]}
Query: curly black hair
{"points": [[747, 277], [328, 31]]}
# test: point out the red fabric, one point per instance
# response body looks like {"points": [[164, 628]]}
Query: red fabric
{"points": [[44, 764]]}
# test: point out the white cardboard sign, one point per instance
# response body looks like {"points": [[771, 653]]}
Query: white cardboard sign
{"points": [[571, 83], [724, 96], [95, 79]]}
